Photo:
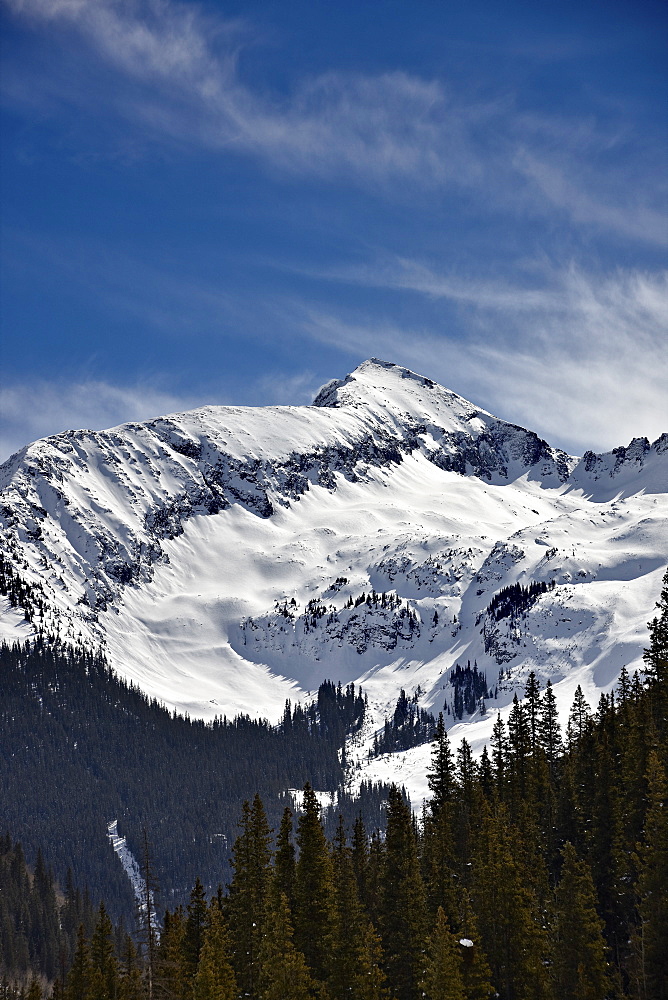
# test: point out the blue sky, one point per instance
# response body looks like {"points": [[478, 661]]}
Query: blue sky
{"points": [[234, 203]]}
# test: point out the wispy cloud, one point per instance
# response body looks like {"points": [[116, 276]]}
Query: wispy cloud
{"points": [[39, 408], [190, 89], [629, 215], [278, 388], [582, 361], [182, 81]]}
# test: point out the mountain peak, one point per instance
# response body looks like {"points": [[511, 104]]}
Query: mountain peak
{"points": [[395, 391]]}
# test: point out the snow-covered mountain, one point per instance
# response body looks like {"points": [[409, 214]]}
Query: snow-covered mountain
{"points": [[229, 558]]}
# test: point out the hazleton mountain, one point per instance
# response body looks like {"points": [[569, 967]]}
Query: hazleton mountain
{"points": [[229, 558]]}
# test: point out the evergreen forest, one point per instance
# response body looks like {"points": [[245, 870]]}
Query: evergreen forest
{"points": [[539, 872], [80, 748]]}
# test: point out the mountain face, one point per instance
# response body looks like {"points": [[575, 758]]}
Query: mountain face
{"points": [[229, 558]]}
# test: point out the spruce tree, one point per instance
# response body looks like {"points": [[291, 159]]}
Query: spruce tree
{"points": [[45, 923], [439, 866], [360, 857], [374, 877], [147, 910], [195, 926], [607, 853], [103, 959], [533, 706], [580, 969], [371, 983], [171, 974], [579, 719], [284, 974], [215, 978], [476, 973], [438, 857], [467, 808], [499, 756], [485, 774], [441, 777], [656, 671], [247, 897], [285, 867], [402, 902], [442, 978], [651, 934], [78, 985], [508, 911], [131, 986], [519, 751], [344, 943], [34, 991], [549, 730], [313, 887]]}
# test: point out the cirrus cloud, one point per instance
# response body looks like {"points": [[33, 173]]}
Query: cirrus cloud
{"points": [[581, 359], [178, 79]]}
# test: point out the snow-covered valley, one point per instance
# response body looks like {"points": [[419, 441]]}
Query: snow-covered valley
{"points": [[229, 558]]}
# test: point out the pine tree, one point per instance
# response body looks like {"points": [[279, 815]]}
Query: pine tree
{"points": [[402, 902], [313, 887], [580, 969], [440, 777], [79, 979], [656, 670], [247, 898], [103, 959], [285, 867], [344, 943], [147, 910], [215, 977], [519, 751], [499, 756], [131, 986], [533, 706], [508, 911], [651, 934], [371, 979], [360, 857], [579, 719], [284, 974], [476, 973], [171, 974], [549, 731], [195, 926], [442, 978]]}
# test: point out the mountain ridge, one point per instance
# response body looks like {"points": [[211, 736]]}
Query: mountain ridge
{"points": [[172, 542]]}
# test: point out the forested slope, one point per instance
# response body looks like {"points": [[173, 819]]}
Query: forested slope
{"points": [[79, 748]]}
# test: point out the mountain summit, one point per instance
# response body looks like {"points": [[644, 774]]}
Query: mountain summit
{"points": [[229, 557]]}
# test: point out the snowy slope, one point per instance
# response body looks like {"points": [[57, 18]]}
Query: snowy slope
{"points": [[216, 553]]}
